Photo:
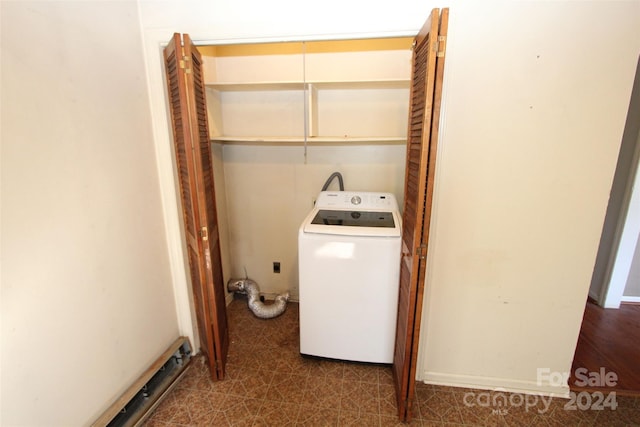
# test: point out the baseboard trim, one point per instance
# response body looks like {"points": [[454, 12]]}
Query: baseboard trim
{"points": [[491, 383], [137, 402]]}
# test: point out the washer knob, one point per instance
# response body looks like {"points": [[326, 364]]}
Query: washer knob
{"points": [[356, 200]]}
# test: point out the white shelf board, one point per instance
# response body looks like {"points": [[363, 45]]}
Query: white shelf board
{"points": [[362, 84], [310, 140], [256, 86], [299, 85]]}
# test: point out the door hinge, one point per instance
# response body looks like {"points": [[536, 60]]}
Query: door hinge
{"points": [[204, 233], [442, 46], [422, 251], [184, 64]]}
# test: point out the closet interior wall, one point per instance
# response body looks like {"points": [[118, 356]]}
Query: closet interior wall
{"points": [[282, 118]]}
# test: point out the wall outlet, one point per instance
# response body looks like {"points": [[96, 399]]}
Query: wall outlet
{"points": [[276, 267]]}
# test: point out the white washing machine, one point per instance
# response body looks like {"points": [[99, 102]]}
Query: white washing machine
{"points": [[349, 262]]}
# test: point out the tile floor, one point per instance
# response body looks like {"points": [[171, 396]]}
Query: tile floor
{"points": [[269, 384]]}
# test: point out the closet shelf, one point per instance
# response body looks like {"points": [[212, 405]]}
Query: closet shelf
{"points": [[255, 86], [314, 140], [341, 94], [320, 84]]}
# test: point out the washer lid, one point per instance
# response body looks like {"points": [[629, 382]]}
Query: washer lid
{"points": [[346, 218], [353, 223]]}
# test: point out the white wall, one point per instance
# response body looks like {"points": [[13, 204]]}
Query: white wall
{"points": [[533, 112], [87, 300], [271, 189], [282, 19], [535, 107], [632, 287]]}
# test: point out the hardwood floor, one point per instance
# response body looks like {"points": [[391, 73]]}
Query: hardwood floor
{"points": [[609, 339]]}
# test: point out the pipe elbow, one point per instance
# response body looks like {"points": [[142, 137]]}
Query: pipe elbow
{"points": [[257, 307]]}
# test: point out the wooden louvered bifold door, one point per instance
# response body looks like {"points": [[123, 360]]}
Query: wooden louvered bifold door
{"points": [[183, 66], [422, 136]]}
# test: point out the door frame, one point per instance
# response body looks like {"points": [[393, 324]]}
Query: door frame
{"points": [[621, 226], [154, 43]]}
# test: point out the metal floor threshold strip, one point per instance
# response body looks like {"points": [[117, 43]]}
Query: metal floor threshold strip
{"points": [[139, 400]]}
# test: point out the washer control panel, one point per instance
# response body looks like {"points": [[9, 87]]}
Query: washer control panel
{"points": [[361, 200]]}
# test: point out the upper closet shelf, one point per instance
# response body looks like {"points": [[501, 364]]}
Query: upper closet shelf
{"points": [[329, 92]]}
